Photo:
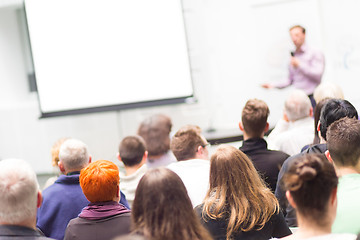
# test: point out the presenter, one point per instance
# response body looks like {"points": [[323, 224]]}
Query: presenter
{"points": [[306, 65]]}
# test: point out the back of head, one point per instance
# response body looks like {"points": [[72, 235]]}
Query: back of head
{"points": [[132, 150], [311, 179], [99, 181], [186, 141], [155, 131], [328, 90], [333, 110], [297, 105], [55, 151], [18, 191], [343, 141], [237, 189], [74, 155], [254, 117], [162, 208], [317, 111]]}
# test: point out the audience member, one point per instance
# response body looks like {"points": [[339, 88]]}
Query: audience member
{"points": [[104, 218], [132, 152], [254, 125], [55, 161], [295, 130], [190, 149], [238, 204], [343, 141], [334, 109], [311, 185], [155, 130], [163, 210], [19, 199], [64, 200], [328, 90]]}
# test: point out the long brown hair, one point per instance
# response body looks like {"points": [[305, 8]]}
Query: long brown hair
{"points": [[163, 210], [237, 192]]}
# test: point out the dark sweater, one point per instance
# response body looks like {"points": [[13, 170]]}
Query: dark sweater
{"points": [[62, 202], [267, 162], [275, 228]]}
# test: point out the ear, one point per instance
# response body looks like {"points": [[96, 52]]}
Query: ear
{"points": [[311, 113], [333, 197], [144, 159], [39, 199], [266, 127], [318, 127], [290, 199], [118, 191], [285, 117], [328, 156], [61, 167], [118, 157], [90, 159], [241, 126]]}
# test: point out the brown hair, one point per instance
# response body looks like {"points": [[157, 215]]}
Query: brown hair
{"points": [[162, 209], [186, 141], [254, 117], [132, 150], [237, 192], [298, 26], [343, 141], [155, 131], [310, 180], [99, 181]]}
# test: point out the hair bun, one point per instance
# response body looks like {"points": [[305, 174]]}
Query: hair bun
{"points": [[309, 168]]}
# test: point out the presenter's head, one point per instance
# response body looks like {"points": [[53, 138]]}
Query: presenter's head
{"points": [[297, 34]]}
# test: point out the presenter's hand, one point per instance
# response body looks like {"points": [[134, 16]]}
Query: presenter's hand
{"points": [[267, 85], [294, 62]]}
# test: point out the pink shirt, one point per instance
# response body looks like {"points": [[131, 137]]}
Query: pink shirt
{"points": [[307, 76]]}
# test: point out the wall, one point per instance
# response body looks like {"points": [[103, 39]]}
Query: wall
{"points": [[234, 46]]}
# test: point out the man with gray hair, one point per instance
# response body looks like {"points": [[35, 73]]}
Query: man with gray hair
{"points": [[19, 199], [296, 129], [64, 200]]}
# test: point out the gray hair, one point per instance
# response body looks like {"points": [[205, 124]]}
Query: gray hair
{"points": [[18, 191], [297, 105], [74, 154], [328, 90]]}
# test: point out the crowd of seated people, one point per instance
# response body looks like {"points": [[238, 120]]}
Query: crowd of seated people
{"points": [[296, 187]]}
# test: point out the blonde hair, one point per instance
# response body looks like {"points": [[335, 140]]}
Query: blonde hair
{"points": [[237, 192]]}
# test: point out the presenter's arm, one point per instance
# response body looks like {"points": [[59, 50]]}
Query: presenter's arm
{"points": [[313, 69]]}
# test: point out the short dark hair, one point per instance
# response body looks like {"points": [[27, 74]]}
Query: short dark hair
{"points": [[343, 141], [335, 109], [298, 26], [310, 180], [131, 150], [186, 141], [155, 131], [254, 117]]}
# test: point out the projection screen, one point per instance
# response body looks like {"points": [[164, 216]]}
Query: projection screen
{"points": [[99, 55]]}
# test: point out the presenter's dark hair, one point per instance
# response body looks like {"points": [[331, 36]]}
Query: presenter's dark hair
{"points": [[311, 179], [298, 26], [163, 210], [333, 110]]}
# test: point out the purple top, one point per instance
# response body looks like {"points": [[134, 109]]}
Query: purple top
{"points": [[307, 76]]}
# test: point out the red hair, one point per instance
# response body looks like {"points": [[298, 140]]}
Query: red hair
{"points": [[99, 181]]}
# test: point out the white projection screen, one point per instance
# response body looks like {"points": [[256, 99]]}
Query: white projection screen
{"points": [[100, 55]]}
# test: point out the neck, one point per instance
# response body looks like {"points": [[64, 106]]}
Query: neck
{"points": [[342, 171], [132, 169], [308, 228], [30, 223], [247, 137]]}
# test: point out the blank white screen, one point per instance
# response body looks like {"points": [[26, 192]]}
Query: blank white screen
{"points": [[93, 53]]}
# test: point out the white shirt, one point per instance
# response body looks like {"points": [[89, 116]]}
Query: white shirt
{"points": [[195, 175], [291, 137], [128, 184]]}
